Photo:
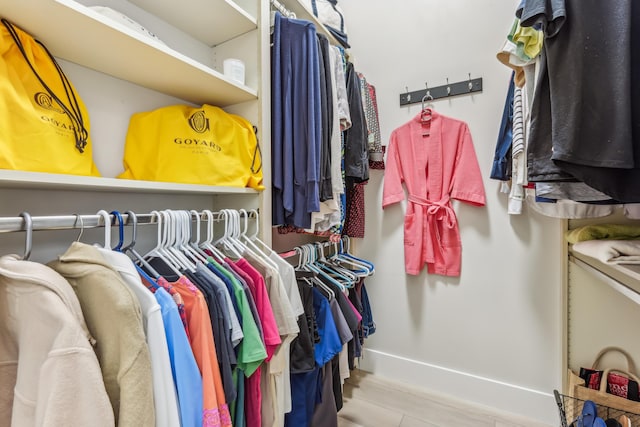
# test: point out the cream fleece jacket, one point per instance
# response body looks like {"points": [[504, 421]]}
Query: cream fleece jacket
{"points": [[49, 373]]}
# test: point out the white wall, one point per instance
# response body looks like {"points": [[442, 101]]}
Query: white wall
{"points": [[494, 335]]}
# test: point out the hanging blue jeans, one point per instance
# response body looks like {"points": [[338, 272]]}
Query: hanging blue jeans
{"points": [[368, 325]]}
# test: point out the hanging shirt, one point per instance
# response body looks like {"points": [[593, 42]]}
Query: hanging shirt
{"points": [[326, 104], [287, 273], [247, 284], [501, 167], [186, 374], [296, 122], [354, 223], [253, 394], [594, 135], [518, 158], [277, 370], [341, 117], [263, 305], [307, 387], [215, 411], [164, 395], [302, 354], [356, 140], [435, 169], [220, 323], [251, 351], [376, 156], [234, 312], [178, 300], [329, 344], [114, 318]]}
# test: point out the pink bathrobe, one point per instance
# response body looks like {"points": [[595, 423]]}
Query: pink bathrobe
{"points": [[437, 162]]}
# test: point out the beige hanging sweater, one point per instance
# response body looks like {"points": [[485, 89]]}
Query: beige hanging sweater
{"points": [[114, 318], [49, 373]]}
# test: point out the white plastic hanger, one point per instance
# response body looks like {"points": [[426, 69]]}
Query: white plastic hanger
{"points": [[363, 268], [208, 243], [242, 246], [341, 274], [311, 250], [310, 259], [254, 237], [129, 248], [234, 232], [224, 240], [249, 243], [194, 244], [175, 236], [184, 218], [158, 250], [106, 218]]}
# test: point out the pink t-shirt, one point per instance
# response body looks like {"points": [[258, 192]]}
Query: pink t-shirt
{"points": [[271, 341]]}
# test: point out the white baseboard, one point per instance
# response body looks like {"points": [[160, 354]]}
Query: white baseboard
{"points": [[503, 397]]}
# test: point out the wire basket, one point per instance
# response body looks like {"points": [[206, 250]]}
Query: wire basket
{"points": [[570, 409]]}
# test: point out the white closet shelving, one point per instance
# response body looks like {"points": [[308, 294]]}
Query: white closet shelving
{"points": [[75, 32], [602, 303], [303, 12], [36, 180], [624, 275], [118, 71]]}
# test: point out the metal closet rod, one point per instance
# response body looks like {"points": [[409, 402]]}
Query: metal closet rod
{"points": [[70, 222]]}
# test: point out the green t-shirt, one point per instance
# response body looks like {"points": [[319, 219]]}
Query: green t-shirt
{"points": [[251, 351]]}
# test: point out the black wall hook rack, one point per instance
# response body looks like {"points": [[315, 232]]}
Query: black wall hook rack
{"points": [[445, 91]]}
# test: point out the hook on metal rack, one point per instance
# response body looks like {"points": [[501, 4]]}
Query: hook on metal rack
{"points": [[447, 90], [427, 96]]}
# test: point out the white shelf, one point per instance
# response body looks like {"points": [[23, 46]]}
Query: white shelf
{"points": [[210, 21], [302, 12], [78, 34], [37, 180], [625, 274]]}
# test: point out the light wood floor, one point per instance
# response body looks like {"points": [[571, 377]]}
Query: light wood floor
{"points": [[370, 401]]}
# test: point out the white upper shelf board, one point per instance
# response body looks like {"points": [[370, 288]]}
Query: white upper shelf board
{"points": [[302, 12], [210, 21], [37, 180]]}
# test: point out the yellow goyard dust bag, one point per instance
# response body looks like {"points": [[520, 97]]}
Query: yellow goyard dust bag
{"points": [[192, 145], [44, 126]]}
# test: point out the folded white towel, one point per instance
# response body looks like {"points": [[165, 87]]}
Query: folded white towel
{"points": [[611, 251]]}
